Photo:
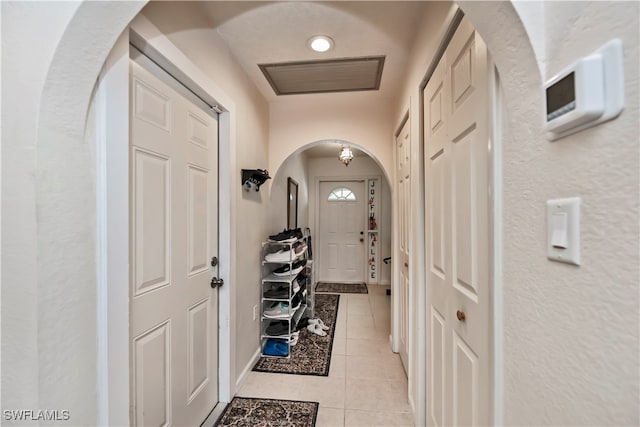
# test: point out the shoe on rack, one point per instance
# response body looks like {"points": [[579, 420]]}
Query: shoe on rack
{"points": [[297, 233], [299, 248], [277, 311], [320, 323], [316, 329], [287, 270], [296, 286], [295, 302], [277, 328], [279, 292], [275, 347], [284, 255], [286, 236]]}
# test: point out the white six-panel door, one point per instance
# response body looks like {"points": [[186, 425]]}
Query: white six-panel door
{"points": [[403, 153], [174, 310], [457, 222], [342, 233]]}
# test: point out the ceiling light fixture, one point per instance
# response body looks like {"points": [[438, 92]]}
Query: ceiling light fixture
{"points": [[320, 43], [346, 155]]}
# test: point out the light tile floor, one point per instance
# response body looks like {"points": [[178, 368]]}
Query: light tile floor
{"points": [[366, 386]]}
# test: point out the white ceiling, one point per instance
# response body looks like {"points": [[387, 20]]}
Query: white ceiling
{"points": [[273, 32]]}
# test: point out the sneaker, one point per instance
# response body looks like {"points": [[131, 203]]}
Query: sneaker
{"points": [[296, 286], [292, 269], [297, 232], [277, 328], [277, 311], [295, 302], [284, 255], [299, 248], [280, 292], [293, 339], [275, 347], [286, 236]]}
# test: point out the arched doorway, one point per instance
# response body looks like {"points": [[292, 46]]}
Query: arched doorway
{"points": [[62, 118]]}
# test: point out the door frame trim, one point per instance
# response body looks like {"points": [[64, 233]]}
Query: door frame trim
{"points": [[112, 222]]}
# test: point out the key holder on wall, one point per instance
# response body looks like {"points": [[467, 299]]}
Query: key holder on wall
{"points": [[254, 178]]}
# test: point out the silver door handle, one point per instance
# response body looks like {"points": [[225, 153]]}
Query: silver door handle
{"points": [[216, 282]]}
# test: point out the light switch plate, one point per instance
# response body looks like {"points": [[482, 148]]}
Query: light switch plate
{"points": [[571, 208]]}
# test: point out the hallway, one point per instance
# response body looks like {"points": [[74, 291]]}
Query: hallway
{"points": [[559, 343], [366, 385]]}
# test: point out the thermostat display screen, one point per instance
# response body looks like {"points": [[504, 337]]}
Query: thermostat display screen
{"points": [[561, 96]]}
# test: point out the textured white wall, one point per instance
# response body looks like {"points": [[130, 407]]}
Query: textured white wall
{"points": [[29, 35], [354, 118], [190, 31], [296, 168], [48, 242], [570, 333]]}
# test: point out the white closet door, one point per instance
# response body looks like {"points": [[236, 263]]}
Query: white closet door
{"points": [[457, 222], [174, 310], [403, 150]]}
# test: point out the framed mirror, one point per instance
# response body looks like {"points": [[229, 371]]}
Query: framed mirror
{"points": [[292, 203]]}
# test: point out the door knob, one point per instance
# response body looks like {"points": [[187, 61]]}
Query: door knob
{"points": [[461, 316], [216, 283]]}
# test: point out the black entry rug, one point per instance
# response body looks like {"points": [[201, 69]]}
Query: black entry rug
{"points": [[342, 288], [243, 411], [312, 354]]}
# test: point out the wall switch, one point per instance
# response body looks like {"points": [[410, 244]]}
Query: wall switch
{"points": [[255, 312], [563, 230]]}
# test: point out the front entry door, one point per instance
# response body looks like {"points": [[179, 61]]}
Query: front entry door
{"points": [[174, 235], [457, 222], [342, 228]]}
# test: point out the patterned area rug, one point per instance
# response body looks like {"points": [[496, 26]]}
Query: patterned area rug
{"points": [[244, 411], [342, 288], [312, 354]]}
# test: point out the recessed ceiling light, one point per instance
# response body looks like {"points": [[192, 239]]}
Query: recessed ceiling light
{"points": [[320, 43]]}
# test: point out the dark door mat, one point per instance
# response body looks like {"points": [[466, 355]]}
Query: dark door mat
{"points": [[312, 354], [342, 288], [244, 411]]}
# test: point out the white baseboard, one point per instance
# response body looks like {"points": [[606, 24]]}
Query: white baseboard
{"points": [[384, 283], [245, 372]]}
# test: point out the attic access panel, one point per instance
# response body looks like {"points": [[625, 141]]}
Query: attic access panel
{"points": [[331, 75]]}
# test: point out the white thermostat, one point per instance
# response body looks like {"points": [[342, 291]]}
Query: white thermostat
{"points": [[587, 93]]}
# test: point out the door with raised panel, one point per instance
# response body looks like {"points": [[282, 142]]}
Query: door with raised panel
{"points": [[174, 235], [457, 222], [342, 231], [403, 153]]}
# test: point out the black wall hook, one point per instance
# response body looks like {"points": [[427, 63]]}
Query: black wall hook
{"points": [[254, 178]]}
